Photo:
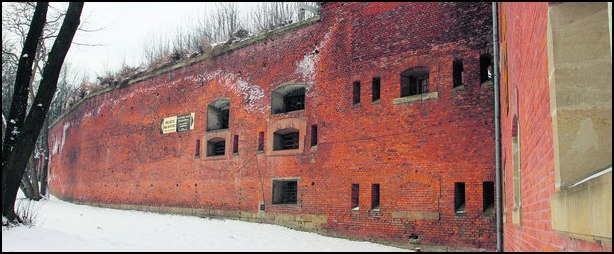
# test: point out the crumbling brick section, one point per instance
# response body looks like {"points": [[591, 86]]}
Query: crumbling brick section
{"points": [[408, 151]]}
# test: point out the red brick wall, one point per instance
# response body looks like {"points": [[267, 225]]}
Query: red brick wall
{"points": [[529, 99], [110, 150]]}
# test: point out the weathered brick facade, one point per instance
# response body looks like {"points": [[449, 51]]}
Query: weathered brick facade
{"points": [[110, 151], [526, 96]]}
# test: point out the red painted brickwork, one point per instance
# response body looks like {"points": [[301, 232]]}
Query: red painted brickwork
{"points": [[110, 149], [529, 100]]}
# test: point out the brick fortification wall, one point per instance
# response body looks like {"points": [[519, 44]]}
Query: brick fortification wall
{"points": [[109, 150]]}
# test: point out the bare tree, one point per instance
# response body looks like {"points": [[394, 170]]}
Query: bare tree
{"points": [[23, 78], [268, 16], [225, 23], [23, 129], [16, 18], [220, 24], [14, 21], [9, 71], [225, 20]]}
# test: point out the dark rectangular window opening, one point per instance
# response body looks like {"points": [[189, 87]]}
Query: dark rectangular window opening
{"points": [[224, 118], [356, 90], [216, 147], [314, 135], [375, 87], [261, 141], [457, 73], [459, 197], [374, 196], [488, 196], [197, 155], [261, 207], [285, 192], [405, 85], [218, 115], [235, 144], [421, 84], [485, 63], [288, 98], [355, 196], [285, 139], [414, 85], [295, 102]]}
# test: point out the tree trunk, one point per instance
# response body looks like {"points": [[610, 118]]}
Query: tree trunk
{"points": [[34, 69], [29, 183], [15, 153], [26, 187], [45, 160], [32, 176], [11, 175]]}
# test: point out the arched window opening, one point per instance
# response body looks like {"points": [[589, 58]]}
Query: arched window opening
{"points": [[288, 98], [414, 81], [218, 114], [286, 139]]}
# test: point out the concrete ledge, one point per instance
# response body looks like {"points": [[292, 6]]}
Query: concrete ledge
{"points": [[584, 211], [415, 98]]}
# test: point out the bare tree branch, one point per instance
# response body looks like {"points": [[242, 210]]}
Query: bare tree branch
{"points": [[22, 135], [88, 44]]}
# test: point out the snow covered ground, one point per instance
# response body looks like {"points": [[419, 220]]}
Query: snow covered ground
{"points": [[63, 226]]}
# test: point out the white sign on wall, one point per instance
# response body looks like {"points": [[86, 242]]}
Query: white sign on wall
{"points": [[177, 123]]}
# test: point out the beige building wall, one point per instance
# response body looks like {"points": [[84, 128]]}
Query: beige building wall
{"points": [[580, 73]]}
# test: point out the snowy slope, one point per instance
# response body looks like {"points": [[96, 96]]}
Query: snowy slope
{"points": [[62, 226]]}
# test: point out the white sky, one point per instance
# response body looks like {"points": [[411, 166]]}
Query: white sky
{"points": [[119, 31], [125, 28]]}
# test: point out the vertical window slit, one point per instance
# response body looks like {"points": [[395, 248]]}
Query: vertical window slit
{"points": [[197, 155], [375, 196], [356, 90], [459, 197], [314, 135], [375, 85], [261, 141], [457, 73], [488, 196], [355, 196], [485, 64], [235, 144]]}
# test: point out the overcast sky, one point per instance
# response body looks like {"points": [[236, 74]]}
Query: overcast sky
{"points": [[124, 28]]}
